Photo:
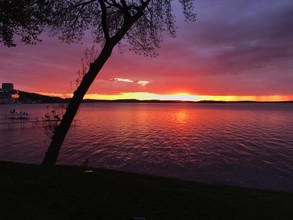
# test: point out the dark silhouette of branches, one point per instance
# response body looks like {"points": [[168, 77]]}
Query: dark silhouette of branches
{"points": [[137, 24]]}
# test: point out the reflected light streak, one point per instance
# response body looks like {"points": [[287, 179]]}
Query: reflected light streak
{"points": [[181, 117]]}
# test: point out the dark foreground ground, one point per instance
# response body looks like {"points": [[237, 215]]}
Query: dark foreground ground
{"points": [[36, 192]]}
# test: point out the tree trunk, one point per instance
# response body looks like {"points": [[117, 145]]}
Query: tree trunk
{"points": [[62, 129]]}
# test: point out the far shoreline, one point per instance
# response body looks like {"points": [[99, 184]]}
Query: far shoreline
{"points": [[35, 98]]}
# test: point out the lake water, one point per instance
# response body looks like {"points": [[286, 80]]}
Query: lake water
{"points": [[247, 144]]}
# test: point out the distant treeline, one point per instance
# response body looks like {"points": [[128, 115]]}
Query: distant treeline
{"points": [[27, 97]]}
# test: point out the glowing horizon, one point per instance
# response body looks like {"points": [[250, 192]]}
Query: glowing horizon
{"points": [[249, 58], [177, 97]]}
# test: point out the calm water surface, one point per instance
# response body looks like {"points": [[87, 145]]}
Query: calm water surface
{"points": [[247, 144]]}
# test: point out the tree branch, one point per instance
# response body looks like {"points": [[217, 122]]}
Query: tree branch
{"points": [[129, 21], [104, 20], [83, 3]]}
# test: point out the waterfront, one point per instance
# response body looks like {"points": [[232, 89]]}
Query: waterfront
{"points": [[247, 144]]}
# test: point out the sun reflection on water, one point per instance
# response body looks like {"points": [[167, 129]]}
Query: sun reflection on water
{"points": [[181, 117]]}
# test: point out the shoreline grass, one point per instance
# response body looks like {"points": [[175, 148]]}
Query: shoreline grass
{"points": [[65, 192]]}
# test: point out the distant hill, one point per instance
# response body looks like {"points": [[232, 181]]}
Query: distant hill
{"points": [[174, 101], [134, 101], [27, 97]]}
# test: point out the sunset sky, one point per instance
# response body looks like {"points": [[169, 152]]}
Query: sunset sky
{"points": [[236, 50]]}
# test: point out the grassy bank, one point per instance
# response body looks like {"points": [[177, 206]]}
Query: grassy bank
{"points": [[35, 192]]}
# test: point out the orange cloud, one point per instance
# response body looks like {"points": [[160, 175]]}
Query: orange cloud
{"points": [[123, 80], [143, 82]]}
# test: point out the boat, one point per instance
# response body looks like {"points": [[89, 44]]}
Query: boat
{"points": [[18, 115]]}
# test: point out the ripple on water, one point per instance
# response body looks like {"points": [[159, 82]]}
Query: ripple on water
{"points": [[251, 145]]}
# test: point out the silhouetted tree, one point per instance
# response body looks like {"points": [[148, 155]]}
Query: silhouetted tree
{"points": [[137, 24]]}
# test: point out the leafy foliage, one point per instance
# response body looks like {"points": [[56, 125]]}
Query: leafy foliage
{"points": [[104, 19], [23, 18]]}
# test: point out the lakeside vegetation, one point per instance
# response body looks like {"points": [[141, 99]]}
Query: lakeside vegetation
{"points": [[64, 192], [27, 97]]}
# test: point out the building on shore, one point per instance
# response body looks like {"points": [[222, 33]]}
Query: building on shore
{"points": [[7, 87], [8, 94]]}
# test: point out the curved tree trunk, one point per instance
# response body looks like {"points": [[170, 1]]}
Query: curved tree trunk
{"points": [[62, 129]]}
